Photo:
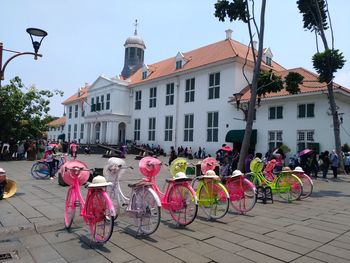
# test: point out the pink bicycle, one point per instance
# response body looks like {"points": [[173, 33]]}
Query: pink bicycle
{"points": [[179, 198], [98, 210], [242, 192]]}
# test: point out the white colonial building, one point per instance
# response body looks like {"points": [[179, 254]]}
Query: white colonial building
{"points": [[186, 100]]}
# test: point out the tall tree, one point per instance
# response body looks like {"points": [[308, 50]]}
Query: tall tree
{"points": [[262, 81], [24, 111], [240, 10], [315, 17]]}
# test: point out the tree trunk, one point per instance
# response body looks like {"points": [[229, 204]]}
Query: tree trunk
{"points": [[253, 89]]}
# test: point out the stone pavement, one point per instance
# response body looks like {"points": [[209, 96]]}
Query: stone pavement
{"points": [[313, 230]]}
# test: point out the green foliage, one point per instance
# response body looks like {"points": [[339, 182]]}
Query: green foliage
{"points": [[327, 63], [292, 81], [314, 14], [235, 10], [24, 111], [269, 82], [285, 148]]}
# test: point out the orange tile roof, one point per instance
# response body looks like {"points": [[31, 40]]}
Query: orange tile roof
{"points": [[58, 122], [310, 84], [219, 51], [75, 97]]}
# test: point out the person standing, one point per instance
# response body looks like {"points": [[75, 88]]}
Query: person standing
{"points": [[73, 149], [279, 156], [325, 163], [334, 163], [172, 155], [199, 153], [347, 162]]}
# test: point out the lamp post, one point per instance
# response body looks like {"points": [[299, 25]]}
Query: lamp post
{"points": [[244, 107], [38, 34]]}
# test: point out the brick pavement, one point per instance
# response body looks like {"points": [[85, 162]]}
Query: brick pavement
{"points": [[313, 230]]}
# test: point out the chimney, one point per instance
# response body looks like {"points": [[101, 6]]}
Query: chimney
{"points": [[228, 33]]}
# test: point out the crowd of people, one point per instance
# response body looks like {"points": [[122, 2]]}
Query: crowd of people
{"points": [[32, 150], [310, 162]]}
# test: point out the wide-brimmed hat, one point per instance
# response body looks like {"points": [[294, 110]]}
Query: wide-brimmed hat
{"points": [[210, 174], [286, 169], [99, 181], [298, 169], [2, 171], [10, 189], [180, 175], [236, 173]]}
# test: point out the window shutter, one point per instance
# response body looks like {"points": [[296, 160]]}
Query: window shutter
{"points": [[301, 111], [310, 110]]}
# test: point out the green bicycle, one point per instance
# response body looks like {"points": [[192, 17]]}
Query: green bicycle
{"points": [[213, 197], [288, 186]]}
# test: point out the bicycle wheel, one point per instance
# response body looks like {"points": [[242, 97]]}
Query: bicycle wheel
{"points": [[40, 170], [182, 205], [70, 208], [146, 211], [213, 199], [308, 186], [289, 187], [100, 215], [242, 194]]}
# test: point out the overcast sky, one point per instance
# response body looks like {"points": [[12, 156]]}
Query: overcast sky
{"points": [[86, 37]]}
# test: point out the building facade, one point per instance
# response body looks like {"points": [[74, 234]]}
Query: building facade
{"points": [[187, 100]]}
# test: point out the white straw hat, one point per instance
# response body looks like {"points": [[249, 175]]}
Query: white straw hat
{"points": [[210, 174], [236, 173], [180, 175], [99, 181], [298, 169]]}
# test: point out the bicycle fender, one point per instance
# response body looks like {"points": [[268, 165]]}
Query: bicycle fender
{"points": [[109, 203], [156, 197]]}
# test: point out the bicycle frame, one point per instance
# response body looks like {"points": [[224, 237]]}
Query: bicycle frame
{"points": [[171, 183], [97, 209], [82, 203], [122, 199], [143, 205]]}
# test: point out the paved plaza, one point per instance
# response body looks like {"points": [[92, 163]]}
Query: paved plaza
{"points": [[313, 230]]}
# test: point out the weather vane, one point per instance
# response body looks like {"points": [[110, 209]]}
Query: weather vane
{"points": [[136, 24]]}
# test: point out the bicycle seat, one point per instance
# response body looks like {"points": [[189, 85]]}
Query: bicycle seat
{"points": [[139, 184], [169, 180]]}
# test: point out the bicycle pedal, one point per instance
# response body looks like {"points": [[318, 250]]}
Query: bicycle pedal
{"points": [[77, 203]]}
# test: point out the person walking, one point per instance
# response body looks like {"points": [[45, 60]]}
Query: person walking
{"points": [[334, 163], [49, 159]]}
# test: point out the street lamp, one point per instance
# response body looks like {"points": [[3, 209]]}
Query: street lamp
{"points": [[244, 107], [38, 35]]}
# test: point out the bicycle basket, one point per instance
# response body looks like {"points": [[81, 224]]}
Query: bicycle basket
{"points": [[149, 166], [178, 165], [69, 177], [208, 163]]}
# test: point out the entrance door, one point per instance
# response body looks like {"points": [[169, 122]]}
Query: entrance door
{"points": [[97, 132], [121, 132]]}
